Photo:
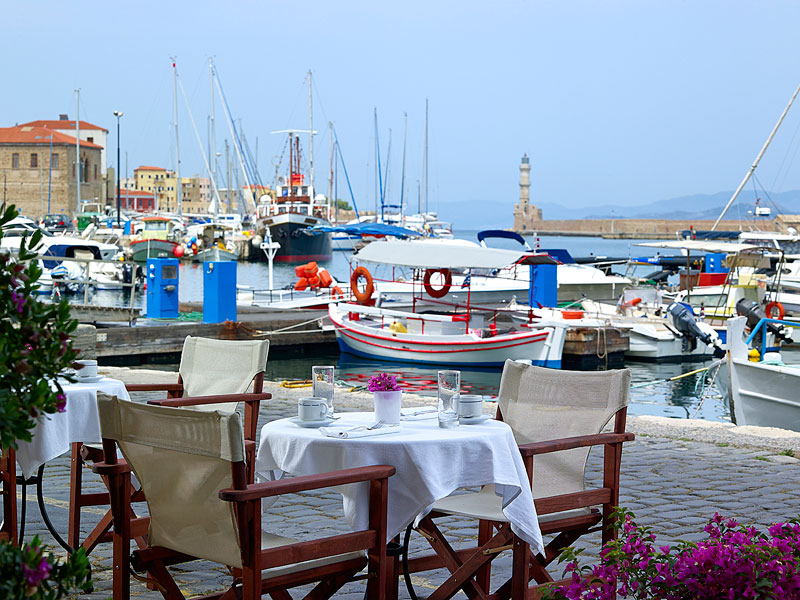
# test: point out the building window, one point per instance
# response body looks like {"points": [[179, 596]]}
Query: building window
{"points": [[54, 161], [90, 140], [15, 160], [34, 161]]}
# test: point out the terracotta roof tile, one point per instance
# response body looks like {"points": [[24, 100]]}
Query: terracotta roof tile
{"points": [[59, 124], [146, 168], [28, 134]]}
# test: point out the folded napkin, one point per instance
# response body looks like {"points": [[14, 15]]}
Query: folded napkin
{"points": [[356, 432], [419, 414]]}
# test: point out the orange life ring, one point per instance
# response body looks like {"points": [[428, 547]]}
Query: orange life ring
{"points": [[358, 273], [441, 292], [775, 305]]}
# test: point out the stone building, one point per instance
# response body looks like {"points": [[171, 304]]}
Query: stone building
{"points": [[526, 215], [195, 191], [88, 133], [38, 170]]}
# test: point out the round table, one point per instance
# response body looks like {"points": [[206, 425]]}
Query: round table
{"points": [[430, 462], [54, 434]]}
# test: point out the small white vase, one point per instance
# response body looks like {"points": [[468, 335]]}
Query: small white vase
{"points": [[387, 406]]}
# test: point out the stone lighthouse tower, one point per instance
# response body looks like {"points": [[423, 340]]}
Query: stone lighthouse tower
{"points": [[525, 213]]}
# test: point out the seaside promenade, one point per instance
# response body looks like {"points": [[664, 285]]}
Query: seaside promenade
{"points": [[675, 476]]}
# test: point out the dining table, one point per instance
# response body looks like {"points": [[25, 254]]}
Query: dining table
{"points": [[54, 434], [431, 463]]}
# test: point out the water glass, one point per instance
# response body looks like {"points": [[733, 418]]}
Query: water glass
{"points": [[322, 385], [449, 389]]}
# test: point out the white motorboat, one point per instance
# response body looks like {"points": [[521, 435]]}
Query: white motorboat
{"points": [[761, 389], [68, 246], [442, 339], [441, 333]]}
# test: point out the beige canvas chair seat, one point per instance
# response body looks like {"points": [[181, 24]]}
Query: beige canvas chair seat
{"points": [[556, 417], [209, 367], [191, 468], [488, 506]]}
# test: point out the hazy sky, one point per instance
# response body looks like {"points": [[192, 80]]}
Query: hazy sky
{"points": [[620, 102]]}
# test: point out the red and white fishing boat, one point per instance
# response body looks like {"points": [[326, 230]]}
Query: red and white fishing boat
{"points": [[465, 336]]}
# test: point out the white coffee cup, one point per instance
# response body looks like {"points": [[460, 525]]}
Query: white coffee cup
{"points": [[312, 409], [89, 369], [470, 406]]}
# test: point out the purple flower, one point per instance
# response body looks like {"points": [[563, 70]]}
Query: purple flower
{"points": [[383, 382], [34, 576], [61, 405], [19, 300]]}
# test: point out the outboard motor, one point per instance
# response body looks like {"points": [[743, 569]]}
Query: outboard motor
{"points": [[683, 320], [127, 273], [754, 313]]}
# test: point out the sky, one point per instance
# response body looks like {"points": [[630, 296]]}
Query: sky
{"points": [[621, 102]]}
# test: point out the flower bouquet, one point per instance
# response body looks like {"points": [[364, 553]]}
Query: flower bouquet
{"points": [[386, 397]]}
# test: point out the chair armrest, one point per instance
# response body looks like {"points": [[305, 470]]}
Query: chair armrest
{"points": [[267, 489], [580, 441], [154, 387], [102, 468], [219, 399]]}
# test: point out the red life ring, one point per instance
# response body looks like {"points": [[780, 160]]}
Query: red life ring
{"points": [[772, 306], [441, 292], [358, 273]]}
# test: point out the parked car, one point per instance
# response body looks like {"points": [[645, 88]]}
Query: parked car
{"points": [[57, 222]]}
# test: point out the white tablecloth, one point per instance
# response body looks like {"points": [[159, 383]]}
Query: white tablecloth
{"points": [[431, 463], [79, 422]]}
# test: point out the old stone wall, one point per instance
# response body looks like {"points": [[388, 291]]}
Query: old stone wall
{"points": [[631, 227]]}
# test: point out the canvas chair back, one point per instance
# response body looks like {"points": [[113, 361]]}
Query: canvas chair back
{"points": [[182, 459], [546, 404], [210, 367]]}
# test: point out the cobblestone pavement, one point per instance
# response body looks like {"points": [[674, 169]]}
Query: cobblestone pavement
{"points": [[672, 485]]}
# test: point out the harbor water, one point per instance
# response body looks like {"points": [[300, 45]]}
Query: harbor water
{"points": [[688, 397]]}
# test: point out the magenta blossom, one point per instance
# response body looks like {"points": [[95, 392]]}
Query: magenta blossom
{"points": [[34, 576], [383, 382], [61, 405]]}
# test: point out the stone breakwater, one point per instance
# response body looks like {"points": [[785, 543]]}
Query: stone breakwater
{"points": [[628, 228]]}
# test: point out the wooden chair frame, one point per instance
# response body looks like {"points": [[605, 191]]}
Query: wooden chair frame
{"points": [[471, 568], [8, 490], [83, 454], [248, 582]]}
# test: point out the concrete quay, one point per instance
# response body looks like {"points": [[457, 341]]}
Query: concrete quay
{"points": [[675, 476]]}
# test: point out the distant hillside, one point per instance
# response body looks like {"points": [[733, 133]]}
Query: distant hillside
{"points": [[486, 214]]}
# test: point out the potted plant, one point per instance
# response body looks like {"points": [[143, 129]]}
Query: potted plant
{"points": [[733, 562], [35, 347], [387, 398]]}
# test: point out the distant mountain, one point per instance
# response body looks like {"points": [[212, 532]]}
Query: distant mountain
{"points": [[486, 214]]}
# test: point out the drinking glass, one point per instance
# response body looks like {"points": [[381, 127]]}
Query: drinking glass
{"points": [[322, 382], [449, 388]]}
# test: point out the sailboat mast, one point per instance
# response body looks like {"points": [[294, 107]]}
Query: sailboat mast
{"points": [[757, 160], [403, 176], [310, 137], [424, 200], [291, 164], [378, 166], [330, 175], [387, 170], [78, 146], [178, 183], [212, 138]]}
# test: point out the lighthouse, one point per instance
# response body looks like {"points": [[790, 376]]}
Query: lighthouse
{"points": [[525, 213]]}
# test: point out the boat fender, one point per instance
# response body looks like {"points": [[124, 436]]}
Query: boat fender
{"points": [[313, 282], [364, 296], [301, 284], [775, 306], [441, 292], [325, 278], [337, 292], [631, 303]]}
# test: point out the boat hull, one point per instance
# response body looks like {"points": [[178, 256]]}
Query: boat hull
{"points": [[290, 230], [542, 347], [144, 249], [214, 254]]}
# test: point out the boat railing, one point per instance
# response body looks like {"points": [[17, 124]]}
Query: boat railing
{"points": [[762, 324], [87, 281]]}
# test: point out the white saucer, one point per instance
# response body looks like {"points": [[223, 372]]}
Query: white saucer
{"points": [[321, 423], [93, 379], [474, 420]]}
